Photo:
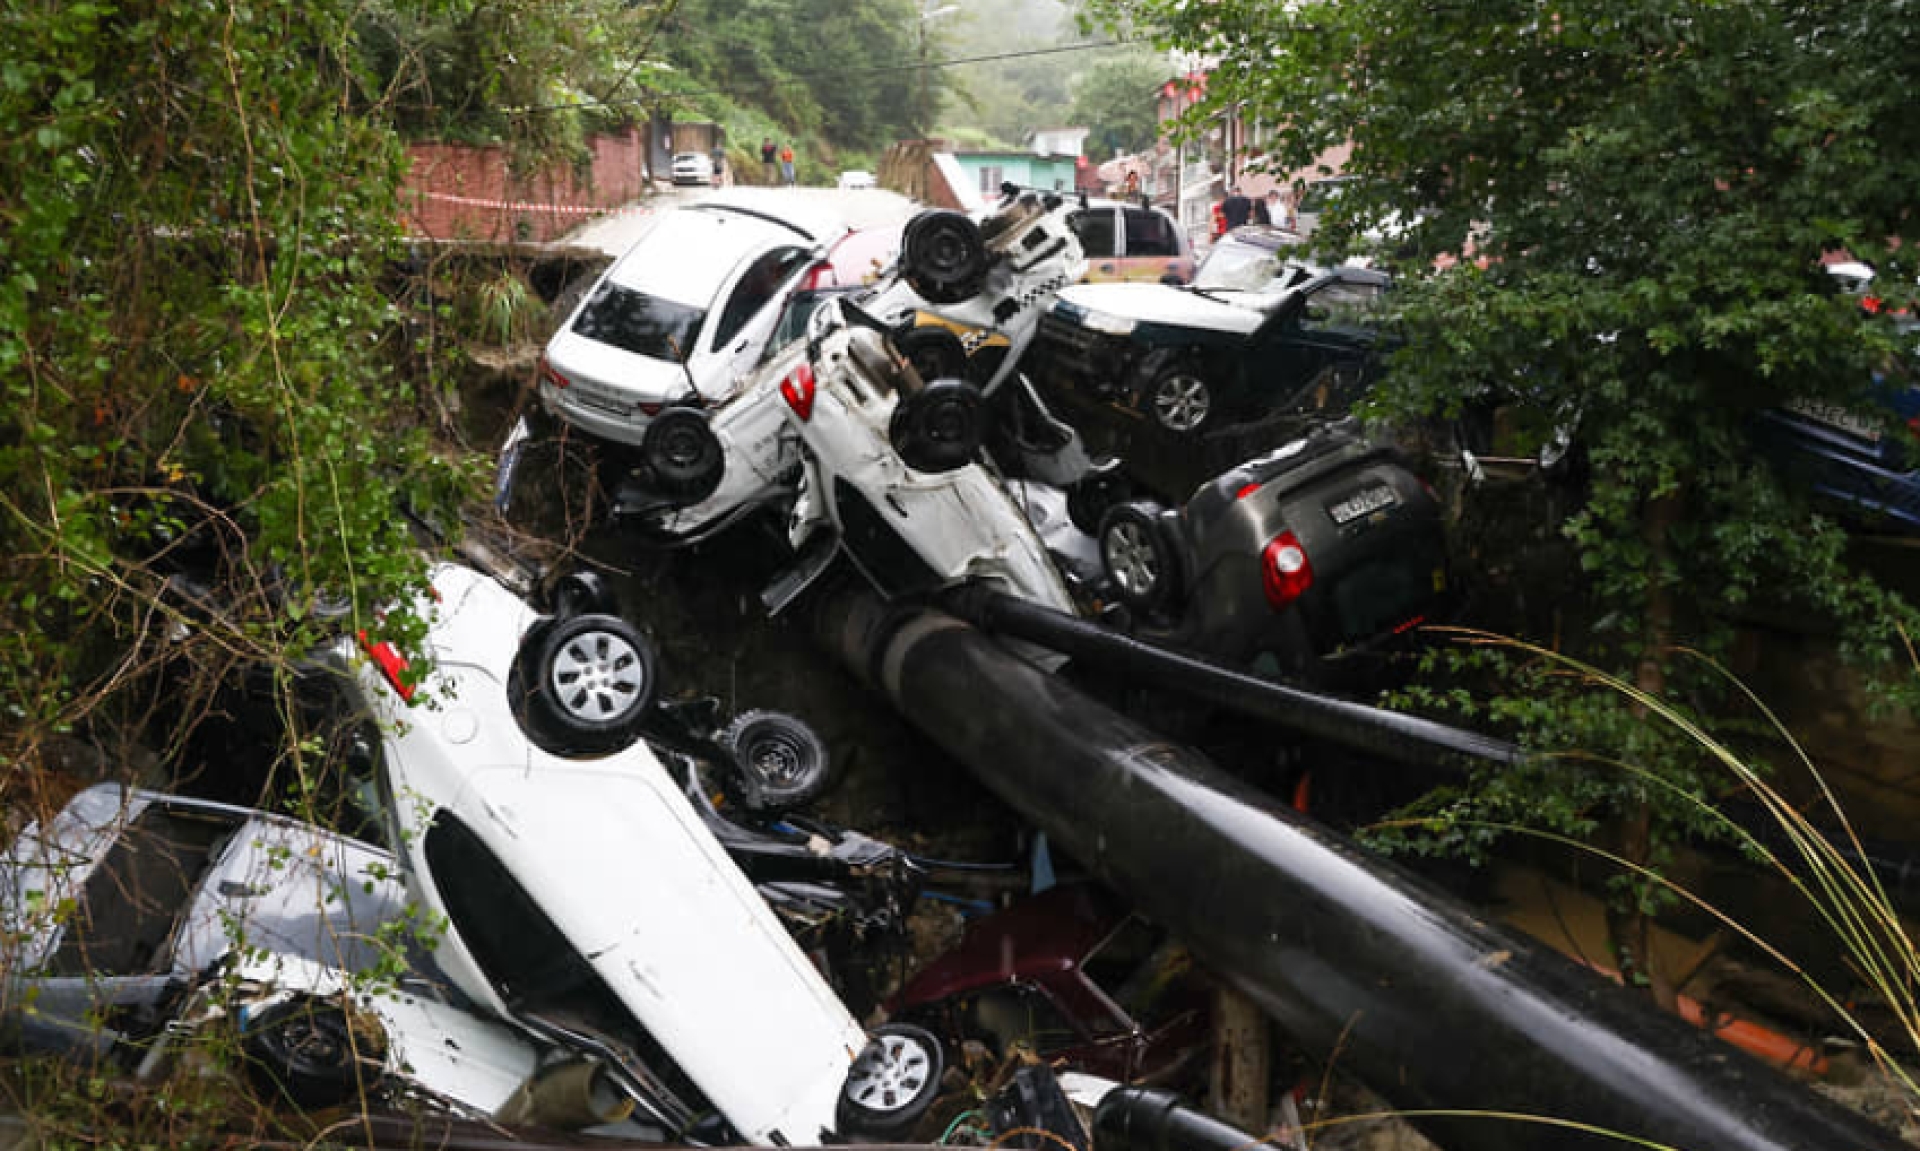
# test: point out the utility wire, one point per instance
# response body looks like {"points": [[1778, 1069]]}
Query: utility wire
{"points": [[882, 70]]}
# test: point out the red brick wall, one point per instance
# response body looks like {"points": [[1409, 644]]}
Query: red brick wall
{"points": [[462, 192]]}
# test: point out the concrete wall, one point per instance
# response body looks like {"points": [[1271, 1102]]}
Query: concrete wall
{"points": [[463, 192]]}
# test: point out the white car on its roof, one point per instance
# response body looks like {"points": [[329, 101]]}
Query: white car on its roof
{"points": [[588, 901], [132, 918], [681, 316]]}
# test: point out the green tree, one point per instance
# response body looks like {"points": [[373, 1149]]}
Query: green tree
{"points": [[200, 203], [1644, 191], [1115, 98]]}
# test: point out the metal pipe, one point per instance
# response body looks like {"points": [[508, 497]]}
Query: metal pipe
{"points": [[1387, 734], [1146, 1119], [1482, 1037]]}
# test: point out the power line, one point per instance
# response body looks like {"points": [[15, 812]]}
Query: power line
{"points": [[807, 78]]}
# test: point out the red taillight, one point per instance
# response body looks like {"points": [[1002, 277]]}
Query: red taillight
{"points": [[798, 390], [553, 377], [821, 276], [1243, 493], [1285, 573], [391, 663]]}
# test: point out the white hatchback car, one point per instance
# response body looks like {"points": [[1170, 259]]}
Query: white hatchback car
{"points": [[589, 902], [680, 317]]}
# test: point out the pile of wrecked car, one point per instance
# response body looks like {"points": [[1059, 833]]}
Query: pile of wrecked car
{"points": [[602, 909]]}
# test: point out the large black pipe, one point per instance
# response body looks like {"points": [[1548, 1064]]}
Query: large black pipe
{"points": [[1375, 731], [1482, 1037]]}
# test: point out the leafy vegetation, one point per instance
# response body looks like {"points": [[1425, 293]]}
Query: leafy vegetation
{"points": [[202, 431], [1115, 98], [1629, 205]]}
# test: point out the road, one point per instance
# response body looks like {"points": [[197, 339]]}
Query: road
{"points": [[866, 208]]}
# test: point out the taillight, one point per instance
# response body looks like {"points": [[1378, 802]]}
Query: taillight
{"points": [[820, 276], [391, 664], [798, 389], [1285, 572], [553, 377], [1246, 491]]}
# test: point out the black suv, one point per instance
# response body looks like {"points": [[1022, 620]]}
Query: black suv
{"points": [[1288, 565], [1183, 382]]}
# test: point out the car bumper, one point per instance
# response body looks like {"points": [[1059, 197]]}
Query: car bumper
{"points": [[594, 416]]}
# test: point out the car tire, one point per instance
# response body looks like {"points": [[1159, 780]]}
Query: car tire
{"points": [[683, 457], [782, 763], [304, 1050], [580, 593], [1090, 497], [935, 353], [588, 685], [943, 256], [1137, 556], [891, 1084], [1178, 398], [939, 428]]}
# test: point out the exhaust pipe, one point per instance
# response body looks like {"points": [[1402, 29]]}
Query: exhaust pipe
{"points": [[1483, 1038]]}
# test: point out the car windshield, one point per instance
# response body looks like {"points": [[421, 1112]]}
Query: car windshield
{"points": [[1241, 267], [639, 323]]}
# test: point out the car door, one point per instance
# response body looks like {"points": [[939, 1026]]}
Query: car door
{"points": [[1315, 356], [742, 325]]}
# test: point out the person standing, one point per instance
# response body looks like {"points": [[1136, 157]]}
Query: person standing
{"points": [[1262, 214], [719, 157], [786, 164], [1236, 208], [768, 153]]}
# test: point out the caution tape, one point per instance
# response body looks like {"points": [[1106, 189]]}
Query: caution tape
{"points": [[529, 206]]}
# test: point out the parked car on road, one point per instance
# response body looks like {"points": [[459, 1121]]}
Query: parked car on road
{"points": [[1182, 383], [134, 920], [693, 168], [855, 179], [586, 899], [679, 318]]}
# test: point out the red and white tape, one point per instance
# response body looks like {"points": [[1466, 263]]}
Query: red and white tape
{"points": [[529, 206]]}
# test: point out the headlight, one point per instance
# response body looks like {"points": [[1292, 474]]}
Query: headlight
{"points": [[1111, 325]]}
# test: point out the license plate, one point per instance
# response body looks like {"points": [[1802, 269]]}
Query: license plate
{"points": [[1362, 503], [1836, 416]]}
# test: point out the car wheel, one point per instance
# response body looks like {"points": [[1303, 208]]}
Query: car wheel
{"points": [[892, 1083], [1179, 399], [1092, 494], [580, 593], [1137, 555], [939, 428], [306, 1051], [943, 257], [782, 763], [935, 353], [682, 455], [592, 681]]}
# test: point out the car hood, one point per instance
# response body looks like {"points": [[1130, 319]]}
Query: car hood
{"points": [[1164, 304]]}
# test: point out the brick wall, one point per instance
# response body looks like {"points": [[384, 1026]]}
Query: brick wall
{"points": [[463, 192]]}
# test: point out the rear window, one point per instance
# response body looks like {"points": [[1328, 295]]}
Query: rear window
{"points": [[1095, 231], [638, 323], [1150, 234]]}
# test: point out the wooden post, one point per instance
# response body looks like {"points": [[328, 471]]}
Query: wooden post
{"points": [[1242, 1061]]}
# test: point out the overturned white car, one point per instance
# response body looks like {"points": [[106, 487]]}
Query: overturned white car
{"points": [[588, 902]]}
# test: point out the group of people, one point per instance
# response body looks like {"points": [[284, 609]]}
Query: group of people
{"points": [[781, 154], [1240, 209]]}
